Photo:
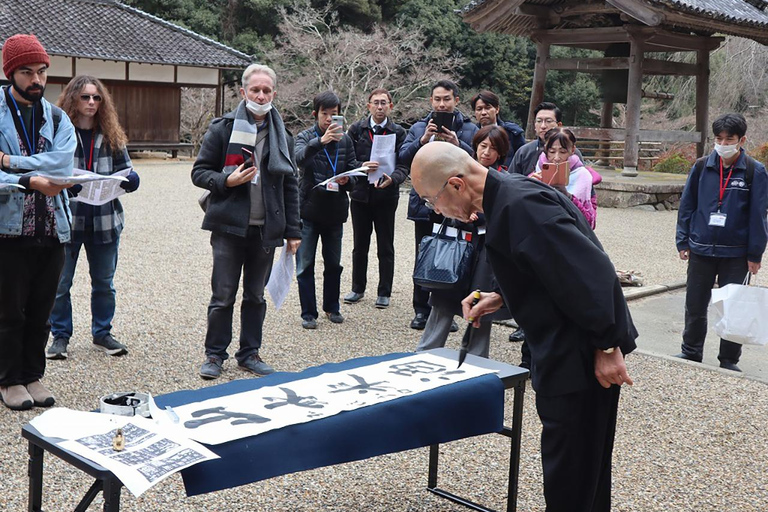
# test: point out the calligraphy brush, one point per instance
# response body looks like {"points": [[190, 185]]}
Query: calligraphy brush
{"points": [[466, 341]]}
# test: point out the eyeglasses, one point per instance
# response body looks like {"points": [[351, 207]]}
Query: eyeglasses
{"points": [[89, 97], [379, 103], [545, 121], [430, 203]]}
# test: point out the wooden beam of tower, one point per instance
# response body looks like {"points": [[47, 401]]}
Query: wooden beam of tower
{"points": [[588, 64], [669, 67], [639, 11]]}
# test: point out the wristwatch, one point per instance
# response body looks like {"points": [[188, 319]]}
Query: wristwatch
{"points": [[609, 350]]}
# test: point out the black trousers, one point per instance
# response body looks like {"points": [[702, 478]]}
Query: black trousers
{"points": [[702, 272], [379, 214], [421, 228], [29, 277], [577, 447]]}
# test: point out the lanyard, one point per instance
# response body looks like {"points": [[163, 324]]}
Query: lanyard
{"points": [[328, 156], [723, 186], [370, 133], [30, 147], [89, 165]]}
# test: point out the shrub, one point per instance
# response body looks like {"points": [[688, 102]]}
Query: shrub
{"points": [[675, 163], [761, 153]]}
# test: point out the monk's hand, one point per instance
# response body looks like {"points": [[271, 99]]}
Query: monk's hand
{"points": [[489, 302], [611, 369]]}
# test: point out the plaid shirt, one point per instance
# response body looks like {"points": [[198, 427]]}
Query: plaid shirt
{"points": [[99, 224]]}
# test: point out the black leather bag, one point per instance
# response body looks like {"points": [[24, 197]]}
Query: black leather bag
{"points": [[444, 261]]}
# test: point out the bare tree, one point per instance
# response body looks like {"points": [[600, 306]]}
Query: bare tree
{"points": [[314, 54], [197, 110]]}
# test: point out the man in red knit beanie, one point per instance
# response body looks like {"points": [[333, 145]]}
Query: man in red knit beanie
{"points": [[37, 139]]}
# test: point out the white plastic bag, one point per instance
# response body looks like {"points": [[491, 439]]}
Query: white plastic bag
{"points": [[740, 313]]}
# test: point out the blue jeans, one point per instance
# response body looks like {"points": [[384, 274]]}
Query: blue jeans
{"points": [[102, 262], [231, 255], [331, 235]]}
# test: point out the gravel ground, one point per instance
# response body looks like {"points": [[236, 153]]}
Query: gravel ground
{"points": [[689, 439]]}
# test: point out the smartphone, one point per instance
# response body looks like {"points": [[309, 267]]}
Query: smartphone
{"points": [[555, 173], [247, 156], [339, 120], [443, 119]]}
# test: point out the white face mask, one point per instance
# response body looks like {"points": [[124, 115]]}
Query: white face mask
{"points": [[258, 109], [727, 152]]}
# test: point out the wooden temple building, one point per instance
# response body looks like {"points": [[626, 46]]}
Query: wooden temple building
{"points": [[630, 34]]}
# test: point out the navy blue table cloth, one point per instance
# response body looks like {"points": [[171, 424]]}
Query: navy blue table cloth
{"points": [[455, 411]]}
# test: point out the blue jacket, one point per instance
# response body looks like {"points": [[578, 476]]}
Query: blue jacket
{"points": [[746, 230], [465, 129], [56, 160]]}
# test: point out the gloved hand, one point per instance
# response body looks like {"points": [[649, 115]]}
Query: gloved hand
{"points": [[74, 190], [132, 184]]}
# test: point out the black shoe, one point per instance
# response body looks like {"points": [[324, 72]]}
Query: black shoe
{"points": [[729, 366], [454, 326], [419, 322], [683, 355], [525, 364], [353, 297], [517, 336], [309, 322], [382, 302], [336, 317]]}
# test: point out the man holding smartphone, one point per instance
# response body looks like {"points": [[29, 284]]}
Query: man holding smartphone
{"points": [[322, 152], [246, 162], [444, 100], [373, 205]]}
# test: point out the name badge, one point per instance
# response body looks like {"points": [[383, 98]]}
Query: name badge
{"points": [[717, 219], [332, 186], [255, 179]]}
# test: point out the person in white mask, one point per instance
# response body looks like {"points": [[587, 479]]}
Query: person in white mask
{"points": [[246, 163], [721, 230]]}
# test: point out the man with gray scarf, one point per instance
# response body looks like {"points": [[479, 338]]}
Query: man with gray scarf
{"points": [[253, 205]]}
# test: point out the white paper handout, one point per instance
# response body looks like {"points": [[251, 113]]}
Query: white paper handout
{"points": [[80, 176], [152, 452], [360, 171], [281, 277], [226, 418], [98, 192], [11, 185], [383, 152]]}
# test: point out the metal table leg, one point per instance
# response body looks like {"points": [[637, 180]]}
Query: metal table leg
{"points": [[35, 474]]}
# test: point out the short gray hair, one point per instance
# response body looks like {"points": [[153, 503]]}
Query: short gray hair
{"points": [[259, 68]]}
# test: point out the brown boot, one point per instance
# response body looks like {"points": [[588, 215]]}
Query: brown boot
{"points": [[16, 397], [40, 394]]}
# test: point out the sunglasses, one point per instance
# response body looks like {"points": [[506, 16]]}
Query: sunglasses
{"points": [[89, 97]]}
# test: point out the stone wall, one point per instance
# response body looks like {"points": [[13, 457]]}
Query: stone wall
{"points": [[647, 196]]}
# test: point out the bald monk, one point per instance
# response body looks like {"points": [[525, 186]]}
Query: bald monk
{"points": [[560, 286]]}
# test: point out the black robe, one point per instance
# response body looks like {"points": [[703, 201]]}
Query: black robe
{"points": [[556, 279]]}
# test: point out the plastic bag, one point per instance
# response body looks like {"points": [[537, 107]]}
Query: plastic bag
{"points": [[740, 313]]}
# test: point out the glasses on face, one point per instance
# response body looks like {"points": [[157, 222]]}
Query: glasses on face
{"points": [[546, 121], [89, 97], [430, 203], [379, 103]]}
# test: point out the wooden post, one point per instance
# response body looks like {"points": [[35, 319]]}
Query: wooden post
{"points": [[606, 121], [702, 98], [537, 91], [634, 98], [219, 98]]}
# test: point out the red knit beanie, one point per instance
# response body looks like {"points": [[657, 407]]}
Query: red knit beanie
{"points": [[21, 50]]}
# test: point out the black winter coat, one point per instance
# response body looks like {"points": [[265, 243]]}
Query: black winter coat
{"points": [[317, 203], [361, 135], [229, 209]]}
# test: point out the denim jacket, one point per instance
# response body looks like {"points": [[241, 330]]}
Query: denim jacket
{"points": [[56, 160]]}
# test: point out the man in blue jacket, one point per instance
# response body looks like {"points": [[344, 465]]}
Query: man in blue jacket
{"points": [[721, 230], [485, 105], [36, 139], [444, 98]]}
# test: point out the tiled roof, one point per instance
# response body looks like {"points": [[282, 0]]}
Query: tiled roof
{"points": [[733, 11], [109, 30]]}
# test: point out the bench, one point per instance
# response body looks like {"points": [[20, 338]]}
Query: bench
{"points": [[168, 147]]}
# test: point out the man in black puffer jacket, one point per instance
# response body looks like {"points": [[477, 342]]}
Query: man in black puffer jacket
{"points": [[322, 152]]}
